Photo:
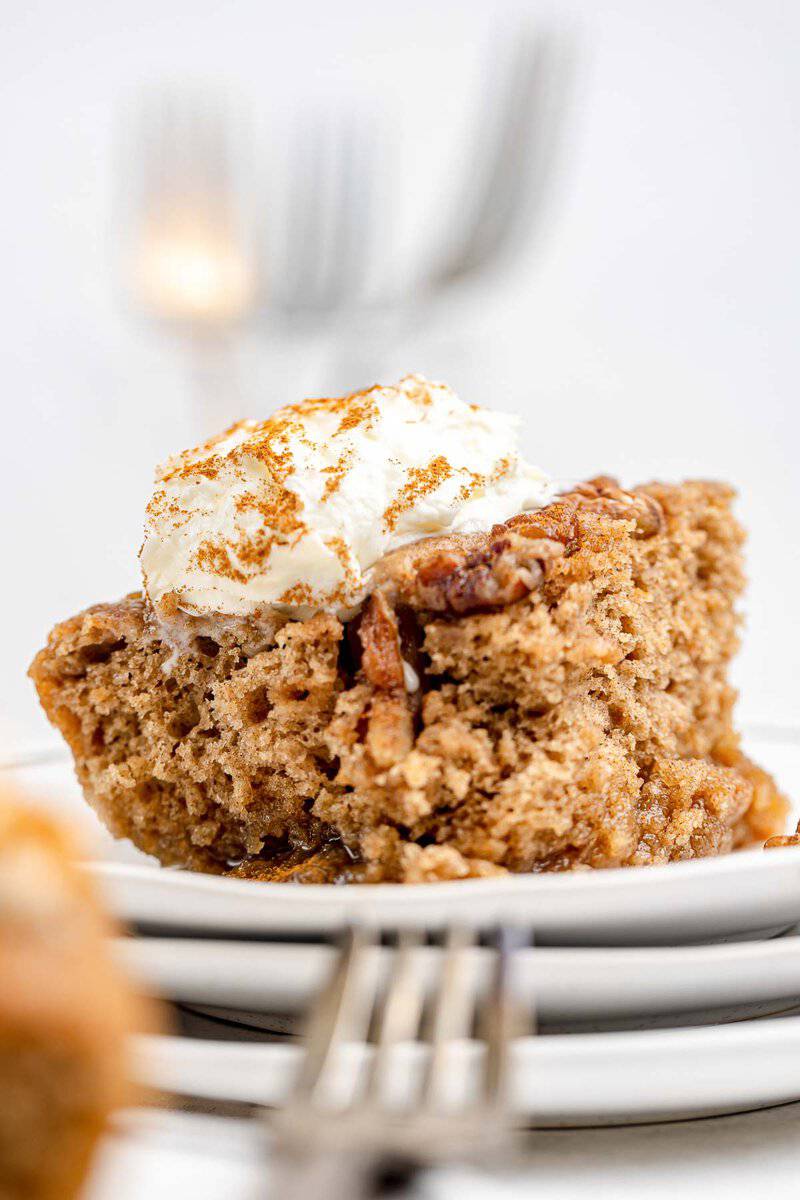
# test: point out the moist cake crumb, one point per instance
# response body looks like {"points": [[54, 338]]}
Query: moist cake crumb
{"points": [[572, 710]]}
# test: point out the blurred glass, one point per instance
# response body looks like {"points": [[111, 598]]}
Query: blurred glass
{"points": [[190, 246]]}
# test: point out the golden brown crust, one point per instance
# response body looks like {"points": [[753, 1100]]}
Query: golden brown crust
{"points": [[573, 707]]}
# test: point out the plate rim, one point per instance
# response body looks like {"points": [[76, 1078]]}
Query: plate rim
{"points": [[606, 879], [579, 1060]]}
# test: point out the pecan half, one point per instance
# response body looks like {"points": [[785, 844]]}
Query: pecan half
{"points": [[558, 521], [381, 659], [467, 573], [390, 728], [605, 495], [490, 578]]}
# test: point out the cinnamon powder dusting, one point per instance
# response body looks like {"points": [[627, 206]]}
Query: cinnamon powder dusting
{"points": [[336, 473], [303, 593], [421, 482], [216, 560], [253, 464], [278, 507]]}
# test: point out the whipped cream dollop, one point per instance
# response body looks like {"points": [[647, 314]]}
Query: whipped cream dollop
{"points": [[293, 512]]}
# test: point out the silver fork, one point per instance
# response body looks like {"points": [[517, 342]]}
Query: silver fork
{"points": [[327, 1145], [501, 202], [319, 269], [510, 172], [328, 233]]}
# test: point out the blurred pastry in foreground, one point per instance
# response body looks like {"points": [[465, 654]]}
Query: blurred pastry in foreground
{"points": [[375, 644], [65, 1012]]}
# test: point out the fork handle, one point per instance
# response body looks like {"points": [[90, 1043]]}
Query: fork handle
{"points": [[337, 1174]]}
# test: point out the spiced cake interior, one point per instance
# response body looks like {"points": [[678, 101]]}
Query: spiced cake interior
{"points": [[548, 692]]}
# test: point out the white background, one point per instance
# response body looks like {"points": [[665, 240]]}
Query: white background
{"points": [[651, 330]]}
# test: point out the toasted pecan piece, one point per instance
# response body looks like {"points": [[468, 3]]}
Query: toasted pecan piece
{"points": [[379, 634], [467, 574], [490, 578], [390, 723], [603, 495], [390, 728], [783, 839]]}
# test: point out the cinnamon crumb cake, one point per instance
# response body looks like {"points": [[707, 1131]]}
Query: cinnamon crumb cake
{"points": [[375, 644], [64, 1013]]}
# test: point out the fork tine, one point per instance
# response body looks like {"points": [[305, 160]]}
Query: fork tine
{"points": [[338, 1150], [452, 1013], [502, 153], [352, 233], [400, 1013], [515, 152], [302, 243], [330, 1015], [497, 1021], [342, 211], [541, 86], [319, 199], [329, 211], [282, 280]]}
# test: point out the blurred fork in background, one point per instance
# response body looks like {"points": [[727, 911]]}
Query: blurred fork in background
{"points": [[509, 174], [323, 256], [311, 265], [331, 198], [497, 208]]}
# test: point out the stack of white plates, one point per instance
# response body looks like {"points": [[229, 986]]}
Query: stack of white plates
{"points": [[662, 993]]}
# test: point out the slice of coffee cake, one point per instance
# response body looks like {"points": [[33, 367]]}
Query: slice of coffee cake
{"points": [[548, 694]]}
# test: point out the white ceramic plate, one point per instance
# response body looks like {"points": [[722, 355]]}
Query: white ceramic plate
{"points": [[563, 1079], [750, 893], [567, 985]]}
